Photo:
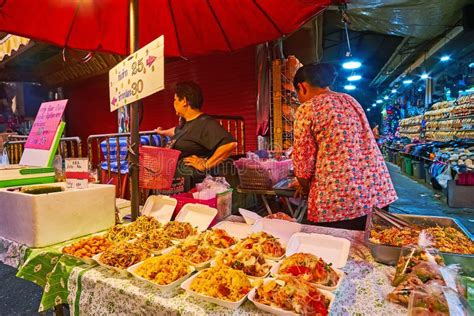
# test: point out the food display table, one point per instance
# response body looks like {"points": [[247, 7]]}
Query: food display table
{"points": [[96, 290]]}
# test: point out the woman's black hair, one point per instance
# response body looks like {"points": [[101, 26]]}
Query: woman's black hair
{"points": [[192, 92], [320, 75]]}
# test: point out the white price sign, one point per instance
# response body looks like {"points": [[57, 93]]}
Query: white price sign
{"points": [[77, 183], [139, 75], [77, 165]]}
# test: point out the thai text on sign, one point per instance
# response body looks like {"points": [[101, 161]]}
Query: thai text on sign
{"points": [[137, 76], [46, 125]]}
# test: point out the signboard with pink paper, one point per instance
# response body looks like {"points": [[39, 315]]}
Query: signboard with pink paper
{"points": [[46, 125]]}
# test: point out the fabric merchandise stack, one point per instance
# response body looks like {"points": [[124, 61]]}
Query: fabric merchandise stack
{"points": [[411, 127], [451, 122]]}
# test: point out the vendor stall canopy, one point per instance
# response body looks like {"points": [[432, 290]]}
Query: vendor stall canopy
{"points": [[191, 27]]}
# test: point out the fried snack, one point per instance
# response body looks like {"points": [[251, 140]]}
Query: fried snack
{"points": [[179, 230], [264, 243], [155, 241], [309, 268], [120, 233], [282, 216], [123, 255], [219, 238], [88, 247], [194, 251], [222, 282], [163, 270], [250, 262], [294, 295], [144, 224]]}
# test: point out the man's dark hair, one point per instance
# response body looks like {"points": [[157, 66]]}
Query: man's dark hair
{"points": [[320, 75], [192, 92]]}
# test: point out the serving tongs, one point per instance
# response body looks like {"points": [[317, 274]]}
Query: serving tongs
{"points": [[394, 219]]}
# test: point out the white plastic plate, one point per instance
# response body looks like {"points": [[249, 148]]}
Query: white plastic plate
{"points": [[341, 274], [122, 272], [282, 312], [198, 215], [186, 285], [132, 270], [331, 249], [160, 207], [234, 229], [249, 216], [88, 261], [277, 227]]}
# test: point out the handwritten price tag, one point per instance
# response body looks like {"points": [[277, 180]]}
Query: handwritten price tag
{"points": [[77, 173], [139, 75]]}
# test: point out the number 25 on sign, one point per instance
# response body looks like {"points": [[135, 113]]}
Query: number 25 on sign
{"points": [[137, 76]]}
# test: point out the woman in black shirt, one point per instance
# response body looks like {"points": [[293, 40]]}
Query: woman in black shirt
{"points": [[203, 142]]}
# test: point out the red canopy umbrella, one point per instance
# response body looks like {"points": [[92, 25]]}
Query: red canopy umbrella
{"points": [[190, 27]]}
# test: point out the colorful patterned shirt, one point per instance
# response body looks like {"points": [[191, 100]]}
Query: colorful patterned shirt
{"points": [[335, 149]]}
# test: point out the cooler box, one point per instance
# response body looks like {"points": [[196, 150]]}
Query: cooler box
{"points": [[45, 219]]}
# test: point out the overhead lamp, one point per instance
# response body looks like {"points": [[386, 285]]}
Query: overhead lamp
{"points": [[379, 101], [471, 65], [368, 110], [407, 81], [374, 105], [425, 76], [394, 90], [354, 77], [385, 97], [445, 58], [349, 87], [351, 64]]}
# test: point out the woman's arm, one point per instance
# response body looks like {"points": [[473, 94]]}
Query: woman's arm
{"points": [[222, 153], [165, 132]]}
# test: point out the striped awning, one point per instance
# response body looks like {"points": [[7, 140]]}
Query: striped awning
{"points": [[11, 43]]}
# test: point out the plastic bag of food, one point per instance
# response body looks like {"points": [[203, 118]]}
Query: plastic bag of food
{"points": [[411, 257], [435, 300]]}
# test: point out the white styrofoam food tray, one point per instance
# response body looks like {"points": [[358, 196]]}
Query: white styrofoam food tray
{"points": [[249, 216], [198, 215], [132, 270], [235, 229], [186, 285], [160, 207], [277, 227], [282, 312], [341, 274], [122, 272], [331, 249]]}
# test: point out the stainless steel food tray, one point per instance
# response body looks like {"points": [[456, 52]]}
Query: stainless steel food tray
{"points": [[389, 254]]}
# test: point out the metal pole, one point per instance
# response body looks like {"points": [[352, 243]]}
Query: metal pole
{"points": [[134, 120], [428, 92]]}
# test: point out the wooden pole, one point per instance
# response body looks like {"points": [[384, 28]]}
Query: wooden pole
{"points": [[134, 120]]}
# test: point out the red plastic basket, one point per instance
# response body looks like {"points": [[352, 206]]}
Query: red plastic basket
{"points": [[157, 167]]}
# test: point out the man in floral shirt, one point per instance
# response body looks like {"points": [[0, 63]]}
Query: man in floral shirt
{"points": [[335, 156]]}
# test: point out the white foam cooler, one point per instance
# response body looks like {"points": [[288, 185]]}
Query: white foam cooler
{"points": [[46, 219]]}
